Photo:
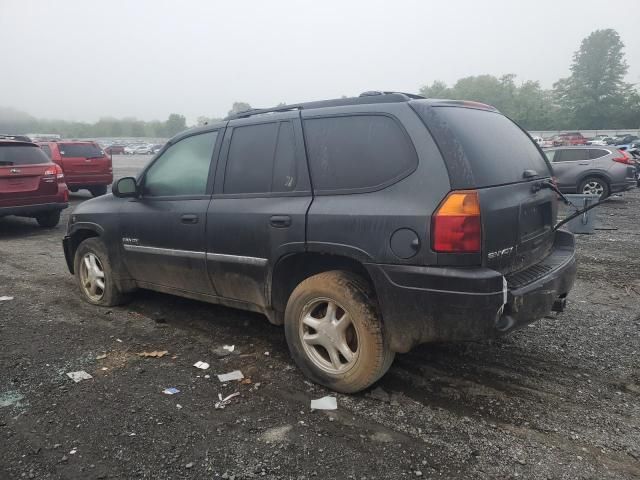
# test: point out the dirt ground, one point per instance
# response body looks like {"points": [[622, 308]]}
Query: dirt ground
{"points": [[558, 399]]}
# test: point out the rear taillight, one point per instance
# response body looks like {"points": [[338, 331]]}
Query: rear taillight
{"points": [[455, 225], [623, 158]]}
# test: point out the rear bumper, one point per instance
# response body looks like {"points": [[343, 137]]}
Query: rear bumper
{"points": [[435, 304], [31, 210], [87, 180]]}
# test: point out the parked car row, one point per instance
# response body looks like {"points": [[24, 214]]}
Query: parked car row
{"points": [[132, 148], [576, 139]]}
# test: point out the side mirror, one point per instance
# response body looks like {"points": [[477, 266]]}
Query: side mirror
{"points": [[125, 187]]}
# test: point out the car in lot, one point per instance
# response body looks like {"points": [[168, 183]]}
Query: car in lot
{"points": [[114, 149], [569, 138], [599, 140], [365, 225], [85, 164], [592, 170], [31, 185], [155, 148], [138, 149]]}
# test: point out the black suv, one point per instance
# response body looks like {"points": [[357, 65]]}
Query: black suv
{"points": [[365, 225]]}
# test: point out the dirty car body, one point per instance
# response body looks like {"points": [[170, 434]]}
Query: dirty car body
{"points": [[449, 230]]}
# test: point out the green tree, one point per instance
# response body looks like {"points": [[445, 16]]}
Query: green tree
{"points": [[175, 124], [595, 92], [238, 107]]}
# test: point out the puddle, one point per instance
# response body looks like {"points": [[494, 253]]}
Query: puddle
{"points": [[10, 398]]}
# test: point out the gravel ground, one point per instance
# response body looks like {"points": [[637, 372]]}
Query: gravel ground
{"points": [[558, 399]]}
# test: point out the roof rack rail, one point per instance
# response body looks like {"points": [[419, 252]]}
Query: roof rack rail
{"points": [[363, 99]]}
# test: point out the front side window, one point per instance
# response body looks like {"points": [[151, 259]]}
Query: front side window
{"points": [[261, 159], [183, 169], [357, 152], [572, 155]]}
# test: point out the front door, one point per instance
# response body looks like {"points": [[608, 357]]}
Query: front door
{"points": [[258, 211], [163, 231], [568, 165]]}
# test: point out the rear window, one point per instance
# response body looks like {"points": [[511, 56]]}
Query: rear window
{"points": [[360, 152], [46, 149], [495, 148], [85, 150], [21, 155]]}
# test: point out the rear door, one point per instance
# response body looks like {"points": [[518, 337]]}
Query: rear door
{"points": [[27, 176], [83, 158], [568, 166], [258, 211], [484, 150]]}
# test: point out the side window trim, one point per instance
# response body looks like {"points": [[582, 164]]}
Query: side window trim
{"points": [[212, 168], [375, 188]]}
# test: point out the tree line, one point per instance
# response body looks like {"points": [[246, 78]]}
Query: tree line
{"points": [[594, 96]]}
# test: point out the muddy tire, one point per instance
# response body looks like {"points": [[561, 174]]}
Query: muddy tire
{"points": [[49, 219], [98, 190], [94, 274], [594, 186], [334, 332]]}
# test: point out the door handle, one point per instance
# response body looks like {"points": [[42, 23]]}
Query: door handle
{"points": [[189, 218], [280, 221], [583, 163]]}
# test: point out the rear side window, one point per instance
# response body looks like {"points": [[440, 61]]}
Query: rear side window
{"points": [[572, 155], [46, 149], [359, 152], [86, 150], [597, 153], [261, 159], [21, 155], [495, 148]]}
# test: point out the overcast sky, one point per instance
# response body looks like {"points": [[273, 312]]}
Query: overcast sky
{"points": [[86, 59]]}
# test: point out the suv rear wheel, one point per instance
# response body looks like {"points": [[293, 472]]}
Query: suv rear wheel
{"points": [[594, 186], [98, 190], [334, 332], [94, 274], [49, 219]]}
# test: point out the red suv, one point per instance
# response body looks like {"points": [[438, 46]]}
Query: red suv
{"points": [[85, 165], [569, 139], [31, 185]]}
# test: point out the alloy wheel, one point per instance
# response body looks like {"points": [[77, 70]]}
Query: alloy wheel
{"points": [[92, 276]]}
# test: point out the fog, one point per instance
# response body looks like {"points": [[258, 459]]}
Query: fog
{"points": [[82, 60]]}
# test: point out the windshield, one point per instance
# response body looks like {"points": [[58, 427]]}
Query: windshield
{"points": [[86, 150], [21, 155]]}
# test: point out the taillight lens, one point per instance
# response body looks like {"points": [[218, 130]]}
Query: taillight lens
{"points": [[455, 226], [623, 158], [59, 172]]}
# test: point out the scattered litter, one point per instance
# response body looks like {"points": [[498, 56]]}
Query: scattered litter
{"points": [[229, 348], [266, 354], [201, 365], [104, 369], [118, 340], [178, 406], [226, 400], [324, 403], [73, 452], [79, 376], [223, 351], [155, 353], [207, 376], [227, 377], [189, 465], [246, 381], [5, 299], [379, 394], [132, 434], [171, 391]]}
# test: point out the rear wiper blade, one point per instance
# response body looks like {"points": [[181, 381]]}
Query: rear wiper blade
{"points": [[552, 186]]}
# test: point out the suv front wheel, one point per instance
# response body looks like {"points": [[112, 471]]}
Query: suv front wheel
{"points": [[94, 274], [335, 333]]}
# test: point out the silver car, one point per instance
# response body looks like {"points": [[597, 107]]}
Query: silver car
{"points": [[594, 170]]}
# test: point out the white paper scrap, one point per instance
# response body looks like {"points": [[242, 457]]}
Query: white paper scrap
{"points": [[324, 403], [229, 348], [227, 377], [201, 365], [79, 376]]}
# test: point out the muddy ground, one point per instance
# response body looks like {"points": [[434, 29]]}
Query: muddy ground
{"points": [[558, 399]]}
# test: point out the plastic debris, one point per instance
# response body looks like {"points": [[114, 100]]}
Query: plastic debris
{"points": [[229, 348], [154, 354], [79, 376], [73, 452], [118, 340], [101, 357], [246, 381], [178, 406], [207, 376], [201, 365], [227, 377], [225, 401], [171, 391], [6, 299], [324, 403], [266, 354]]}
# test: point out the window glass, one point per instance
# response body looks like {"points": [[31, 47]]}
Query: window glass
{"points": [[86, 150], [359, 151], [550, 154], [261, 159], [21, 155], [183, 169], [46, 149], [597, 153], [572, 155]]}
